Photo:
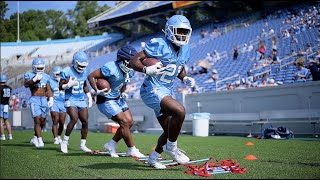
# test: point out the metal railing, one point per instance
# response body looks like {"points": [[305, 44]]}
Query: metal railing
{"points": [[225, 79]]}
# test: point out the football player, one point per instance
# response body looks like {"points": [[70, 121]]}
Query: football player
{"points": [[111, 102], [73, 81], [5, 94], [38, 83], [157, 88], [58, 111]]}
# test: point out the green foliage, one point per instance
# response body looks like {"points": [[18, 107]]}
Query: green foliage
{"points": [[40, 25], [3, 9]]}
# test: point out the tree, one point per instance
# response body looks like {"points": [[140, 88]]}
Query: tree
{"points": [[83, 11], [3, 9], [40, 25]]}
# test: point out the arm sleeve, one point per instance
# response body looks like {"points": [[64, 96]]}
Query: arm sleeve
{"points": [[27, 77], [64, 76], [154, 48], [105, 71]]}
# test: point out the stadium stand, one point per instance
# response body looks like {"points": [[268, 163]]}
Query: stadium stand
{"points": [[241, 32]]}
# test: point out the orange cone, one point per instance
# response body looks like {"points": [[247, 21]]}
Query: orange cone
{"points": [[249, 144], [250, 158], [153, 148]]}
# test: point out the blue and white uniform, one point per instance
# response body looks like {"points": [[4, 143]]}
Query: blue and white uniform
{"points": [[113, 103], [75, 96], [155, 88], [58, 96], [38, 104]]}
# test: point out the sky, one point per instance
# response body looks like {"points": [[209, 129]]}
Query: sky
{"points": [[45, 5]]}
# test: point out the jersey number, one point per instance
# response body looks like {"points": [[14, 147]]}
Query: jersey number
{"points": [[166, 76], [6, 92], [78, 89]]}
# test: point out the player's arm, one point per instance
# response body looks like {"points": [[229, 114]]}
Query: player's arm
{"points": [[49, 91], [64, 84], [85, 88], [182, 73], [136, 62], [29, 82], [49, 95], [86, 91], [124, 88], [92, 78], [189, 81]]}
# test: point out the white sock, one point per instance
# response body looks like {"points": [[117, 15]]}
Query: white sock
{"points": [[132, 148], [59, 138], [66, 138], [10, 135], [83, 142], [56, 138], [112, 143], [155, 155], [171, 145], [35, 137], [2, 135]]}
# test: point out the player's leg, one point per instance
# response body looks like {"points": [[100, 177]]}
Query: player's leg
{"points": [[177, 112], [8, 125], [111, 110], [44, 113], [35, 109], [73, 114], [83, 116], [127, 137], [162, 140], [37, 130], [55, 123], [153, 99], [3, 137], [174, 109], [62, 120]]}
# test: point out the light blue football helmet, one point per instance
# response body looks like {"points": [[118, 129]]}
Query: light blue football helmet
{"points": [[3, 78], [178, 30], [80, 61], [38, 65], [56, 72]]}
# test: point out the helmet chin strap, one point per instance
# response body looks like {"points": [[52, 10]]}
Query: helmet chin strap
{"points": [[127, 78]]}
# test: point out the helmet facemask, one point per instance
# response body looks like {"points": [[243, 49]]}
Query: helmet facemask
{"points": [[124, 66], [80, 67], [178, 35], [38, 68]]}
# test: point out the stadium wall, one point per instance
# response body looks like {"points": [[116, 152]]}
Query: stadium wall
{"points": [[285, 97]]}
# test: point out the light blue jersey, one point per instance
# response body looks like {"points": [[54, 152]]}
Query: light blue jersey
{"points": [[115, 76], [163, 50], [75, 92], [58, 96], [38, 104], [43, 82], [155, 88]]}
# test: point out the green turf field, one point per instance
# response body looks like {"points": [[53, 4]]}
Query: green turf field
{"points": [[276, 159]]}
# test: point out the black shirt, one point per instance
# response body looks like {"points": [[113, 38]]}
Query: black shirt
{"points": [[5, 93]]}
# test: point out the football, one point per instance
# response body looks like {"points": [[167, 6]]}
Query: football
{"points": [[102, 84], [150, 61]]}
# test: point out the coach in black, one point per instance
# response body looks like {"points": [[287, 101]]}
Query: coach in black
{"points": [[5, 94]]}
